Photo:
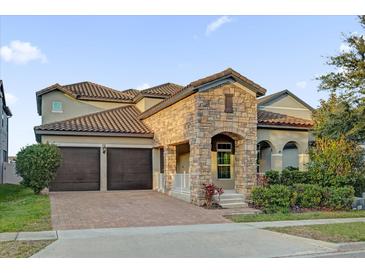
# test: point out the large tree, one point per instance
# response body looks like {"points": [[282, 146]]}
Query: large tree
{"points": [[344, 112]]}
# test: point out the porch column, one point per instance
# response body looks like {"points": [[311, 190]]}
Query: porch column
{"points": [[170, 166], [155, 168], [277, 161], [303, 161]]}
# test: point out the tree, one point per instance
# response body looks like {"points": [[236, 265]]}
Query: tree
{"points": [[37, 165], [347, 87], [337, 163]]}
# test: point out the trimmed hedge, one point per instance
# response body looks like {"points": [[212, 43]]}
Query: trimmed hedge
{"points": [[306, 196], [281, 198], [275, 198], [288, 177]]}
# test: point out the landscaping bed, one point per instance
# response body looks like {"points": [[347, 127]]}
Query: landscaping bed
{"points": [[336, 233], [21, 249], [22, 210], [245, 218]]}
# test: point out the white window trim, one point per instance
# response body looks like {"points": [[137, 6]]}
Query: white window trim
{"points": [[57, 111], [230, 164]]}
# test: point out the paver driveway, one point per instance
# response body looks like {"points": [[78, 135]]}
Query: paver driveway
{"points": [[79, 210]]}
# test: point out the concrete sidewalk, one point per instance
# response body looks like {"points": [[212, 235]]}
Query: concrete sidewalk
{"points": [[54, 235], [188, 241]]}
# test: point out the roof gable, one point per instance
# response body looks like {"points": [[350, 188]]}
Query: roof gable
{"points": [[275, 97], [227, 76]]}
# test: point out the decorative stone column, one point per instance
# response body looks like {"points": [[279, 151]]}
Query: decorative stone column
{"points": [[249, 166], [200, 168], [239, 163], [170, 166]]}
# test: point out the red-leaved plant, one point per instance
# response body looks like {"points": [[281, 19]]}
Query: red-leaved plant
{"points": [[261, 180], [211, 190]]}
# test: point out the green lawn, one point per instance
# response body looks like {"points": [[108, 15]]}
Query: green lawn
{"points": [[21, 249], [296, 216], [21, 210], [337, 233]]}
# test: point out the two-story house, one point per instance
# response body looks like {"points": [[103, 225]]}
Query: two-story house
{"points": [[173, 138], [4, 130]]}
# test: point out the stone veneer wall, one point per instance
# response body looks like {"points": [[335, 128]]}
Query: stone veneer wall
{"points": [[197, 119]]}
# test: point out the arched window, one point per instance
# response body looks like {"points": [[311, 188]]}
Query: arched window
{"points": [[264, 152], [290, 155]]}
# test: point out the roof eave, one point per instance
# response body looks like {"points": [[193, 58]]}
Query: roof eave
{"points": [[85, 133], [286, 127]]}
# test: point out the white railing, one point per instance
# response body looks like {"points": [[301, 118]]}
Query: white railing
{"points": [[181, 183], [161, 183]]}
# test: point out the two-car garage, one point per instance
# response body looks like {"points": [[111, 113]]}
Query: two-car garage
{"points": [[81, 169]]}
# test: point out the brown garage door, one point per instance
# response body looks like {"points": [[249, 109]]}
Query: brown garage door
{"points": [[129, 168], [80, 170]]}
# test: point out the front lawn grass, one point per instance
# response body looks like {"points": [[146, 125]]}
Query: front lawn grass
{"points": [[22, 249], [296, 216], [22, 210], [336, 233]]}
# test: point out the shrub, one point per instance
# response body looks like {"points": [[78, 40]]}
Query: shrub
{"points": [[259, 196], [338, 198], [289, 176], [306, 196], [272, 199], [210, 190], [273, 177], [37, 165]]}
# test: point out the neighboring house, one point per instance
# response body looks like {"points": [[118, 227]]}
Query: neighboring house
{"points": [[4, 128], [172, 138]]}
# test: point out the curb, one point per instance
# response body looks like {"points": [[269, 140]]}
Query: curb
{"points": [[28, 236]]}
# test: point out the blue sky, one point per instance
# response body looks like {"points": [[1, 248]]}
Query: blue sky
{"points": [[278, 52]]}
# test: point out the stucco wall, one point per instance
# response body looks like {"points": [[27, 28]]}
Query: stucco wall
{"points": [[289, 106], [71, 107], [147, 103], [277, 140], [96, 140]]}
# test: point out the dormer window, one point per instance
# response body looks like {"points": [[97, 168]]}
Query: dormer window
{"points": [[228, 103], [57, 106]]}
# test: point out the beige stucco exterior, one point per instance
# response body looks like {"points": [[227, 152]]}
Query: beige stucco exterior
{"points": [[71, 107], [278, 138], [146, 103], [289, 106]]}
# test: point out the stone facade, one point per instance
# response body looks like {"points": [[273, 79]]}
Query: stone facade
{"points": [[196, 119]]}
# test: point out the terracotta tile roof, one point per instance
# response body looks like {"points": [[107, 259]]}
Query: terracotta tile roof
{"points": [[164, 90], [276, 119], [121, 120], [92, 91], [193, 87]]}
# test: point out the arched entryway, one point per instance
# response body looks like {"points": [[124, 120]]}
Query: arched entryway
{"points": [[290, 155], [264, 151], [226, 159]]}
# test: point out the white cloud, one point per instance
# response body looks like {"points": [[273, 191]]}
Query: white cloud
{"points": [[10, 98], [143, 86], [217, 24], [345, 48], [20, 52], [301, 84]]}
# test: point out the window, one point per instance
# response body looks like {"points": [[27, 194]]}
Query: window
{"points": [[57, 106], [228, 103], [224, 151]]}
